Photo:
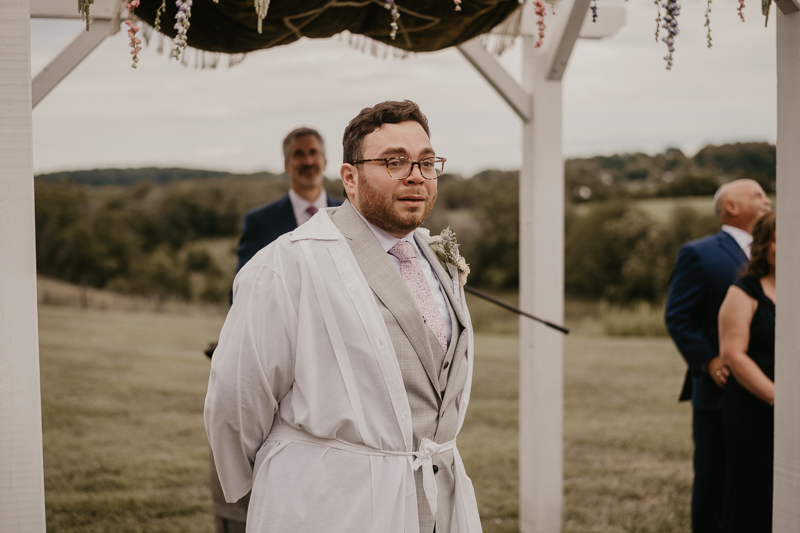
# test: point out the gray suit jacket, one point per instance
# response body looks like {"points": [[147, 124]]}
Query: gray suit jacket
{"points": [[433, 379]]}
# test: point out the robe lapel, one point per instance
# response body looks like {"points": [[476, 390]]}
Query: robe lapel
{"points": [[444, 278], [385, 281]]}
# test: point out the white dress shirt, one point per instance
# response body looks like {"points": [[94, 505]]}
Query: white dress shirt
{"points": [[742, 238], [300, 205], [388, 241]]}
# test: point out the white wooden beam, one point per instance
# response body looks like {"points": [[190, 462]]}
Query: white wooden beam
{"points": [[786, 493], [570, 28], [69, 58], [498, 77], [68, 9], [21, 469], [788, 6]]}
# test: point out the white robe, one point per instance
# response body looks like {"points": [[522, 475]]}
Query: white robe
{"points": [[304, 345]]}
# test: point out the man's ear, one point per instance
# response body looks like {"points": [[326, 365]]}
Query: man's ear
{"points": [[349, 175], [731, 208]]}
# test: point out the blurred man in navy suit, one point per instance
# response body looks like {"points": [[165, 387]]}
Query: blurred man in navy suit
{"points": [[304, 159], [704, 270]]}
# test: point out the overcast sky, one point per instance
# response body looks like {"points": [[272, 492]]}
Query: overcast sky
{"points": [[618, 97]]}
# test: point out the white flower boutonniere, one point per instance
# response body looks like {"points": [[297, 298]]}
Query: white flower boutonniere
{"points": [[446, 248]]}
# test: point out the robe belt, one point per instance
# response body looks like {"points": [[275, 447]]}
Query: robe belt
{"points": [[420, 458]]}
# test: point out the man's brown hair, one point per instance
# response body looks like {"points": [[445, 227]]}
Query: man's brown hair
{"points": [[372, 118], [300, 132], [763, 235]]}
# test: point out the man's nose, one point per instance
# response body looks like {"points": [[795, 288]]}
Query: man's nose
{"points": [[415, 176]]}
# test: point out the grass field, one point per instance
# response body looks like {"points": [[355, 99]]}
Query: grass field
{"points": [[659, 208], [125, 450]]}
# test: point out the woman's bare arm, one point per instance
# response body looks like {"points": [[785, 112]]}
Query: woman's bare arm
{"points": [[735, 317]]}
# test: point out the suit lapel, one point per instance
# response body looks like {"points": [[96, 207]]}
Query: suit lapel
{"points": [[285, 217], [731, 247], [385, 281], [444, 277]]}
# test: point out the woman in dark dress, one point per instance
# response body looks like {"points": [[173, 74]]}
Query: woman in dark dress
{"points": [[747, 346]]}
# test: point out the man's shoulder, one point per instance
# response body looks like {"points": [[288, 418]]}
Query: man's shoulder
{"points": [[274, 255], [269, 209], [703, 245]]}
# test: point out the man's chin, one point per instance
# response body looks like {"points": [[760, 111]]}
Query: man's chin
{"points": [[310, 182], [413, 220]]}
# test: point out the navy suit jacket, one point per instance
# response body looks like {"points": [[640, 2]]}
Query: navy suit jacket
{"points": [[704, 270], [264, 224]]}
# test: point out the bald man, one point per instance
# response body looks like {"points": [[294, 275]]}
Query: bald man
{"points": [[704, 270]]}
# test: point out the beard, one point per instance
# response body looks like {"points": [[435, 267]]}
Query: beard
{"points": [[308, 177], [383, 212]]}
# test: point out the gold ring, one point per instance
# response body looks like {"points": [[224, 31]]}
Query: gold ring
{"points": [[718, 373]]}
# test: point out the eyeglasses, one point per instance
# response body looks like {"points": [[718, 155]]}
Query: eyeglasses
{"points": [[399, 168]]}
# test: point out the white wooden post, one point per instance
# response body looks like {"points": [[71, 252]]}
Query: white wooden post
{"points": [[541, 393], [541, 289], [21, 472], [786, 510], [538, 103]]}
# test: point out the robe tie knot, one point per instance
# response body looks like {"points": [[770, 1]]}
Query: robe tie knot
{"points": [[424, 459]]}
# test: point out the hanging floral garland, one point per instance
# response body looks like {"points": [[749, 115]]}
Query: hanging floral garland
{"points": [[669, 22], [133, 29], [392, 7], [182, 24], [673, 9], [541, 11], [83, 9]]}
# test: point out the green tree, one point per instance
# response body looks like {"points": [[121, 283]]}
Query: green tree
{"points": [[495, 261]]}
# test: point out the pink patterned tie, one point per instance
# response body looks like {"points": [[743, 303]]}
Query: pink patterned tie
{"points": [[415, 279]]}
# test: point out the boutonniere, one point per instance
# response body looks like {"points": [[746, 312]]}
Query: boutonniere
{"points": [[446, 248]]}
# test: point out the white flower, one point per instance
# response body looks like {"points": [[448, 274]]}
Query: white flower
{"points": [[463, 271], [446, 248]]}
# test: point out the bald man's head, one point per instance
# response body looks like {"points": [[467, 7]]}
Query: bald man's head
{"points": [[741, 203]]}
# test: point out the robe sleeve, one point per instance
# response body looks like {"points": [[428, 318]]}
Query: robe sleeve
{"points": [[252, 370]]}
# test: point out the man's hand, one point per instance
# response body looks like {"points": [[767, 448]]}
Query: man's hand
{"points": [[718, 371]]}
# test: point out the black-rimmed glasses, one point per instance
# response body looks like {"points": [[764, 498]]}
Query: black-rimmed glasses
{"points": [[399, 168]]}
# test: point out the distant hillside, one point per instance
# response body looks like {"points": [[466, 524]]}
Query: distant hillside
{"points": [[130, 176], [671, 173], [636, 175]]}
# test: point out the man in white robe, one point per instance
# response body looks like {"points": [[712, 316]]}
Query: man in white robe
{"points": [[330, 396]]}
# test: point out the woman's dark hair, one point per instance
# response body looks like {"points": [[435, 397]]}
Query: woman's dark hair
{"points": [[763, 235]]}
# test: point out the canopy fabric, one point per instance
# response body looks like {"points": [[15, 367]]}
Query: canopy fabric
{"points": [[230, 26]]}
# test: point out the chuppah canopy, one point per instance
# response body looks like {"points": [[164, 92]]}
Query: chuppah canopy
{"points": [[232, 26]]}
